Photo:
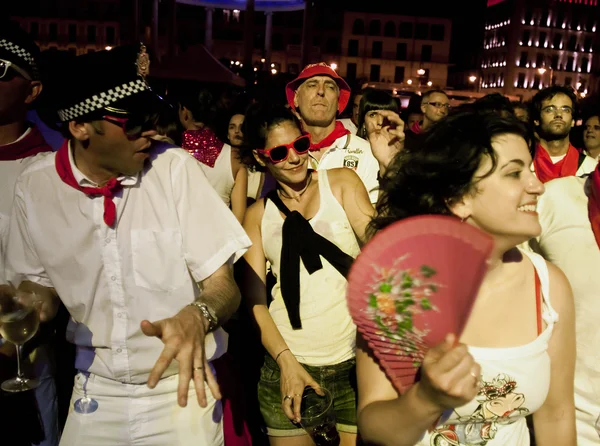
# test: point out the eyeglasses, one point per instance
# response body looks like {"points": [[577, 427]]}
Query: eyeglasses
{"points": [[6, 64], [133, 126], [280, 153], [552, 109], [438, 104]]}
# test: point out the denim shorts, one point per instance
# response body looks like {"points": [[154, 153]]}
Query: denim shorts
{"points": [[339, 379]]}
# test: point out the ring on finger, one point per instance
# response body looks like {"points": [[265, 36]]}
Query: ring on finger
{"points": [[287, 397], [198, 368]]}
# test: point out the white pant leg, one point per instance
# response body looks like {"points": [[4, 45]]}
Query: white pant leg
{"points": [[136, 415]]}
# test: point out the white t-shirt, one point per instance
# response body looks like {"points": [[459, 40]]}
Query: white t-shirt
{"points": [[567, 241], [354, 153], [172, 232]]}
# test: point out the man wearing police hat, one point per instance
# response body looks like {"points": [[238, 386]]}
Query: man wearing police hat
{"points": [[139, 248]]}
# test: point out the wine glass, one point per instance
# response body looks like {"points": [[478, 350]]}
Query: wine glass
{"points": [[19, 321]]}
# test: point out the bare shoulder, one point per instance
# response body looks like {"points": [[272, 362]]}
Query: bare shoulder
{"points": [[560, 288], [342, 174], [255, 212]]}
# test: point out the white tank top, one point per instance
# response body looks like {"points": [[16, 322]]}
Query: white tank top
{"points": [[328, 335], [220, 176], [515, 383]]}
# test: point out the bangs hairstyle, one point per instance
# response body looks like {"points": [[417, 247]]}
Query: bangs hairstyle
{"points": [[259, 119], [440, 170], [373, 99]]}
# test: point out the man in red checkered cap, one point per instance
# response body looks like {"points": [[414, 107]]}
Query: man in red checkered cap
{"points": [[317, 95]]}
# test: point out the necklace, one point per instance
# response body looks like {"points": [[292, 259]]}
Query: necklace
{"points": [[297, 197]]}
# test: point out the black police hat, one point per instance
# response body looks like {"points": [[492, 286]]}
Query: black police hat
{"points": [[110, 79]]}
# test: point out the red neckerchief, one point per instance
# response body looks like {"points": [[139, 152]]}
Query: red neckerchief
{"points": [[108, 191], [546, 170], [203, 144], [338, 132], [416, 127], [32, 144], [593, 193]]}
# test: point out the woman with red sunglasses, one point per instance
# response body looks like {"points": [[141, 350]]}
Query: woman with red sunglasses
{"points": [[309, 229]]}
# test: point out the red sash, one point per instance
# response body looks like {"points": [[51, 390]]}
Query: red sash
{"points": [[594, 203], [338, 132], [108, 191], [546, 170], [32, 144]]}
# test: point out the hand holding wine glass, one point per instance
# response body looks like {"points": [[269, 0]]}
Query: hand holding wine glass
{"points": [[19, 321]]}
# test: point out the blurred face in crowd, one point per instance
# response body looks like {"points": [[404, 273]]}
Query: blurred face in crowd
{"points": [[522, 114], [234, 130], [356, 108], [556, 118], [16, 93], [591, 134], [317, 101], [435, 107], [412, 118]]}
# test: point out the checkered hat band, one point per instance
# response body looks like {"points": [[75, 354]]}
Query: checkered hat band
{"points": [[102, 100], [21, 53]]}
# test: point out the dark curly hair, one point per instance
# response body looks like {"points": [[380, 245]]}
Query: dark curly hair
{"points": [[259, 119], [547, 94], [427, 178]]}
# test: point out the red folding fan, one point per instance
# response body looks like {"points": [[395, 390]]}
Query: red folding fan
{"points": [[415, 282]]}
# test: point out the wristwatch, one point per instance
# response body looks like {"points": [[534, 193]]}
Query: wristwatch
{"points": [[213, 320]]}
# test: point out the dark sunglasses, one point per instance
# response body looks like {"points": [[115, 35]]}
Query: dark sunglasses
{"points": [[132, 126], [277, 154]]}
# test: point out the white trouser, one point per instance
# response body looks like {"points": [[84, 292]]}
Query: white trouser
{"points": [[133, 414]]}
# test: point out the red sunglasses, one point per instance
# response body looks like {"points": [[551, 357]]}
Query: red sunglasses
{"points": [[277, 154], [133, 128]]}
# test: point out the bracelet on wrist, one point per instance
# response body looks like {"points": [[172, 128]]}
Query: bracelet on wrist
{"points": [[279, 354]]}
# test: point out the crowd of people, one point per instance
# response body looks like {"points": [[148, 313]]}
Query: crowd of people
{"points": [[194, 249]]}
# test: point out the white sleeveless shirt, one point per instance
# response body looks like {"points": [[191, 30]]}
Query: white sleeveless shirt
{"points": [[220, 176], [515, 383], [328, 335]]}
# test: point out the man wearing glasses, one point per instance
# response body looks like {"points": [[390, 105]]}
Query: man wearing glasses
{"points": [[434, 105], [20, 141], [139, 247], [553, 112]]}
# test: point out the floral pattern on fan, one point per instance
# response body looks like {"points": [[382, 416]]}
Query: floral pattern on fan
{"points": [[396, 296]]}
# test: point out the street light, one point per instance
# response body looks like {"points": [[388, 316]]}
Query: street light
{"points": [[333, 66], [420, 71], [429, 84], [472, 78], [543, 70]]}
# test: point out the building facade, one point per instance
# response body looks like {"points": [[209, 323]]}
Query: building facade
{"points": [[409, 51], [531, 44]]}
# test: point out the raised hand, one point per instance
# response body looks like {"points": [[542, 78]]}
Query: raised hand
{"points": [[386, 136]]}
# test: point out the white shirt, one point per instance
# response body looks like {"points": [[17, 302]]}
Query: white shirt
{"points": [[567, 240], [355, 153], [172, 231], [347, 122], [220, 176]]}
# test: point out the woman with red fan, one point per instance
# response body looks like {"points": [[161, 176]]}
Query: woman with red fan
{"points": [[309, 229], [514, 356]]}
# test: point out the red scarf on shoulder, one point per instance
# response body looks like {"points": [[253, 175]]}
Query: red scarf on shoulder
{"points": [[593, 193], [108, 191], [338, 132], [546, 170], [32, 144]]}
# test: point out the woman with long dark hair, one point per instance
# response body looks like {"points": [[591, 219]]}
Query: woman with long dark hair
{"points": [[515, 356]]}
